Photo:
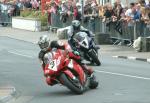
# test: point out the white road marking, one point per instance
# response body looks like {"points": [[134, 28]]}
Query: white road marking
{"points": [[115, 56], [125, 75], [14, 52], [148, 60], [132, 58]]}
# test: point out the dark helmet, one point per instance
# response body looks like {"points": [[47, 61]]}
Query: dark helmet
{"points": [[76, 24], [44, 42]]}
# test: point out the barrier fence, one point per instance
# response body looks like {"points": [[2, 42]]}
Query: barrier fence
{"points": [[119, 30], [128, 32], [5, 17]]}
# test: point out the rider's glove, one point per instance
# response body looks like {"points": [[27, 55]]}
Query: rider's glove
{"points": [[76, 53]]}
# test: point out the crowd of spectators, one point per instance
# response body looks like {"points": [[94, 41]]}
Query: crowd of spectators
{"points": [[109, 13], [13, 7]]}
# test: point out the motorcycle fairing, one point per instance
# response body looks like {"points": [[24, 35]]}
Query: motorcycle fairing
{"points": [[78, 69]]}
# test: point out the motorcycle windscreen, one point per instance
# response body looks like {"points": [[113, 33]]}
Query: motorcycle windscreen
{"points": [[79, 36], [48, 57], [53, 60], [44, 45], [82, 39]]}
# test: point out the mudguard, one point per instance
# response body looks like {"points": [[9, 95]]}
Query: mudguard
{"points": [[78, 69], [69, 73]]}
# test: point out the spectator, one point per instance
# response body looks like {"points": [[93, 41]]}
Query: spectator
{"points": [[54, 7], [3, 6], [27, 4], [118, 23], [48, 11], [64, 12], [109, 13], [53, 13], [101, 11], [137, 14], [5, 13], [64, 8], [145, 19], [77, 12], [148, 4], [148, 21], [118, 11], [87, 10], [35, 4], [70, 8], [142, 2], [137, 17], [15, 9], [119, 2], [20, 4], [129, 18], [10, 9], [93, 16], [131, 10], [108, 16]]}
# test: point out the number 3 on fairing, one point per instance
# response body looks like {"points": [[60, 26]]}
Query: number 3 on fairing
{"points": [[52, 65]]}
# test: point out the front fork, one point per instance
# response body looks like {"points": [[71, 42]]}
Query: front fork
{"points": [[94, 46], [92, 50]]}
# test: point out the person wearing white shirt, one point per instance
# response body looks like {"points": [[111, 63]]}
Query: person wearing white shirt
{"points": [[129, 18]]}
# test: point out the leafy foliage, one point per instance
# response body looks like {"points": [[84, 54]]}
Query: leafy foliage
{"points": [[35, 14]]}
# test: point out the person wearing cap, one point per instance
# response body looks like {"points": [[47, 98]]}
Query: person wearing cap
{"points": [[63, 12], [93, 14]]}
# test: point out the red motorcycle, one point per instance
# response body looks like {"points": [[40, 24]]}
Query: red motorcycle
{"points": [[66, 71]]}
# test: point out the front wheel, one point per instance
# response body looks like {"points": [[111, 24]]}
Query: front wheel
{"points": [[74, 86], [94, 57]]}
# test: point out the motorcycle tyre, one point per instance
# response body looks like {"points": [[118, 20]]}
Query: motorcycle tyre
{"points": [[69, 84]]}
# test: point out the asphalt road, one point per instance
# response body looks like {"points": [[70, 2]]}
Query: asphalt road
{"points": [[121, 81]]}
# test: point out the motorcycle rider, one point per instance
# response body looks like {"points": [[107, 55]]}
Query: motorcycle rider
{"points": [[46, 46], [75, 28]]}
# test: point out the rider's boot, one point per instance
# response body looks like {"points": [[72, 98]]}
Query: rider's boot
{"points": [[93, 82]]}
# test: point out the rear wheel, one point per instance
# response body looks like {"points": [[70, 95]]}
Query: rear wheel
{"points": [[73, 85]]}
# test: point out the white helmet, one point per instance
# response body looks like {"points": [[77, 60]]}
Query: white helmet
{"points": [[44, 42]]}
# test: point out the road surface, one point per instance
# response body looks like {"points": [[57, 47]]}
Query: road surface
{"points": [[121, 81]]}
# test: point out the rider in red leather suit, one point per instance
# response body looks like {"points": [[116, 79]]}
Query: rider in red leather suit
{"points": [[46, 46]]}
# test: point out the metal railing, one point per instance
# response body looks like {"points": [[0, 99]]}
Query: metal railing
{"points": [[5, 17], [127, 35]]}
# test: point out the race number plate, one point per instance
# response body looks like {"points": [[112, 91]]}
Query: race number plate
{"points": [[53, 65]]}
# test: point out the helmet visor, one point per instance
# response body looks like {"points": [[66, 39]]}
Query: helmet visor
{"points": [[44, 45], [76, 27], [79, 38]]}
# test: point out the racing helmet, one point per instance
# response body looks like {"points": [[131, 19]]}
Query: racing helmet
{"points": [[44, 42], [76, 24]]}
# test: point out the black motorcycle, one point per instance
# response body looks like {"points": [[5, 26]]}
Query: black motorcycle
{"points": [[87, 47]]}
